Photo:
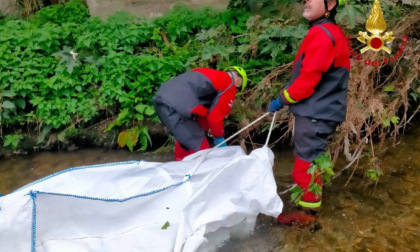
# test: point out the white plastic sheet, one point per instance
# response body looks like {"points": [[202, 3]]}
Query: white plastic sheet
{"points": [[123, 206]]}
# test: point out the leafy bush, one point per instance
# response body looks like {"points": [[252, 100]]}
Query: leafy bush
{"points": [[62, 70], [72, 12], [12, 141]]}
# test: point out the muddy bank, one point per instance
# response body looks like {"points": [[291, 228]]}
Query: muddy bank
{"points": [[144, 8], [3, 6], [94, 136], [147, 8]]}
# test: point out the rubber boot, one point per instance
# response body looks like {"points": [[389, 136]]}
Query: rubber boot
{"points": [[297, 217], [303, 179]]}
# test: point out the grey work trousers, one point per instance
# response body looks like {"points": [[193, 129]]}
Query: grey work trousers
{"points": [[310, 137]]}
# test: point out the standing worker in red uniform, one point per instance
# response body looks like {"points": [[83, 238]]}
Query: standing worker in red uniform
{"points": [[197, 101], [317, 91]]}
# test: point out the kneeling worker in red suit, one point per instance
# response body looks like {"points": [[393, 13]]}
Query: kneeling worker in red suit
{"points": [[196, 101]]}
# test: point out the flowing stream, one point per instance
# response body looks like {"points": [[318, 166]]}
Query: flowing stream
{"points": [[354, 217]]}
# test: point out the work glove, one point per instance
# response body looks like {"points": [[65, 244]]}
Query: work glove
{"points": [[275, 105], [218, 140]]}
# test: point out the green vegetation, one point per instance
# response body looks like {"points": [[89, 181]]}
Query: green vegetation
{"points": [[62, 69], [165, 226]]}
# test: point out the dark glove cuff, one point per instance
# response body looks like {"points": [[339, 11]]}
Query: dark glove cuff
{"points": [[282, 101]]}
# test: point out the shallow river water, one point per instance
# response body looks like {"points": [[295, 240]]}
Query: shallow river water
{"points": [[354, 217]]}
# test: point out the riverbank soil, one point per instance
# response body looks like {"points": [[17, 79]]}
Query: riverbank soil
{"points": [[147, 8]]}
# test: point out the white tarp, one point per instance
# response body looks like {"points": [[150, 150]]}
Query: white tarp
{"points": [[123, 206]]}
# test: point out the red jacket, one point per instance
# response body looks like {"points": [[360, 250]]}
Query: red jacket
{"points": [[318, 87], [204, 92]]}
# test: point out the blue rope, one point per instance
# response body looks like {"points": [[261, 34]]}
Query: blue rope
{"points": [[117, 200], [33, 195], [73, 169], [33, 236]]}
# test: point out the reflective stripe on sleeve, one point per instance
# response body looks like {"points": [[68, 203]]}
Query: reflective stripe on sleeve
{"points": [[288, 98]]}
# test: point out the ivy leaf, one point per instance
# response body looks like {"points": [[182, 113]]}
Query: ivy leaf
{"points": [[315, 188], [349, 14], [166, 225], [20, 103], [129, 138], [143, 143], [312, 169], [70, 65], [66, 58], [6, 115], [122, 117], [8, 93], [395, 119], [13, 141], [149, 111], [386, 123], [93, 60], [326, 177], [372, 174], [324, 163], [145, 109], [389, 88], [87, 42], [296, 193], [8, 105], [243, 49], [144, 138]]}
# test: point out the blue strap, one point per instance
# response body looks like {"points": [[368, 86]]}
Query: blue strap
{"points": [[33, 233], [73, 169], [33, 195]]}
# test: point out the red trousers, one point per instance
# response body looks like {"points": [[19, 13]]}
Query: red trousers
{"points": [[180, 152], [303, 179]]}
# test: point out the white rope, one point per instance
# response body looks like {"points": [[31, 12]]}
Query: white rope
{"points": [[206, 152], [271, 128], [200, 161], [237, 133]]}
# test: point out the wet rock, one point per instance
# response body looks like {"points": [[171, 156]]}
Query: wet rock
{"points": [[72, 147]]}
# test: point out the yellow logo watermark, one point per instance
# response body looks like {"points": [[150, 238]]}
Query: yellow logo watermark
{"points": [[375, 41], [376, 26]]}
